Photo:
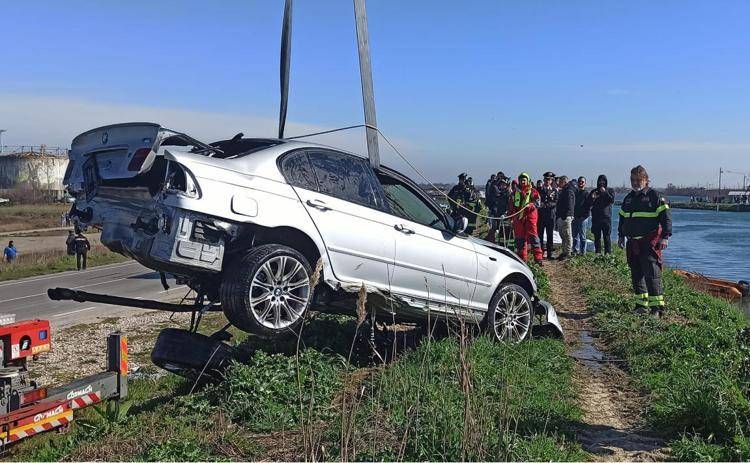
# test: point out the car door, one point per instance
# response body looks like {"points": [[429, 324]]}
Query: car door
{"points": [[344, 200], [432, 264]]}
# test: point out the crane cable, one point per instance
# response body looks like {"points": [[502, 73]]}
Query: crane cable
{"points": [[403, 158]]}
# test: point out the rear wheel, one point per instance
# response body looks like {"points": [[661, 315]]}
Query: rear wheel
{"points": [[267, 291], [510, 314]]}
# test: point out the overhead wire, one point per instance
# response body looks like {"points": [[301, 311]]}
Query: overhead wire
{"points": [[414, 168]]}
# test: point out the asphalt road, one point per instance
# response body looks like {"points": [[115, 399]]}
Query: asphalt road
{"points": [[27, 298]]}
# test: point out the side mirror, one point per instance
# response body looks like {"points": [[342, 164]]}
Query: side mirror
{"points": [[460, 224]]}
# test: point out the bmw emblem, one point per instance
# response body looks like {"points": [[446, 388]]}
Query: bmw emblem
{"points": [[105, 138]]}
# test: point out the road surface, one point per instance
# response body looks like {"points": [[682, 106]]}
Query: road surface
{"points": [[27, 298]]}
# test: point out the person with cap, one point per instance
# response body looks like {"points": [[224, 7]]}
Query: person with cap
{"points": [[600, 201], [548, 203], [81, 246], [457, 196], [581, 213], [566, 200], [525, 217], [646, 224]]}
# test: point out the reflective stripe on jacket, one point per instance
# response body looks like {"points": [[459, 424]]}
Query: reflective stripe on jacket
{"points": [[643, 213]]}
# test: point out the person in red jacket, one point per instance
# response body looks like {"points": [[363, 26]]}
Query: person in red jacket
{"points": [[522, 204]]}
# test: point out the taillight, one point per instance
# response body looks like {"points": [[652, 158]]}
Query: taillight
{"points": [[138, 159], [33, 396]]}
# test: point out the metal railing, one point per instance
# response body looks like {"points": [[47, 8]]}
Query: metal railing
{"points": [[34, 149]]}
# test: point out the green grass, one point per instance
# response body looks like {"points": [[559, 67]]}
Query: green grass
{"points": [[446, 399], [33, 264], [693, 364], [31, 216], [482, 401]]}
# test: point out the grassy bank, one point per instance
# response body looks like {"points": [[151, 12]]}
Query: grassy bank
{"points": [[29, 264], [447, 399], [31, 216], [693, 364]]}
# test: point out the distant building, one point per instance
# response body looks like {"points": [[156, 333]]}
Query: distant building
{"points": [[34, 169], [739, 197]]}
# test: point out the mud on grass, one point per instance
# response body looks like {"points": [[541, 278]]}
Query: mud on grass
{"points": [[693, 363], [323, 397]]}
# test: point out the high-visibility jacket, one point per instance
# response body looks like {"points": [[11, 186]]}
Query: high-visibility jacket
{"points": [[521, 198], [643, 213]]}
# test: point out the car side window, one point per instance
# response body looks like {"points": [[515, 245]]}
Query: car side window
{"points": [[346, 177], [298, 172], [404, 203]]}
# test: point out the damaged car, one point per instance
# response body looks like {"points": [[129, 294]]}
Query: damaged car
{"points": [[267, 229]]}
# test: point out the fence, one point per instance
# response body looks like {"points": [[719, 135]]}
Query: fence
{"points": [[34, 149]]}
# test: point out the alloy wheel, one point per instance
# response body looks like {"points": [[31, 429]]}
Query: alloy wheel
{"points": [[279, 292], [512, 317]]}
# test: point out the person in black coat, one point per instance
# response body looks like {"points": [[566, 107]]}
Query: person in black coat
{"points": [[548, 203], [564, 211], [600, 200]]}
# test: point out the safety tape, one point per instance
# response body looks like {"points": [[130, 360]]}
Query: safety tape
{"points": [[86, 400], [47, 424]]}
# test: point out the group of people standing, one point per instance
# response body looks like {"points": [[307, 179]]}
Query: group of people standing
{"points": [[554, 204], [569, 207], [557, 202]]}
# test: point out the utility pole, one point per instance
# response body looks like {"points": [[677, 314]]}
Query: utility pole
{"points": [[1, 140], [719, 193]]}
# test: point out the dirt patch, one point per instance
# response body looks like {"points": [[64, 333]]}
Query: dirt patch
{"points": [[81, 350], [613, 426]]}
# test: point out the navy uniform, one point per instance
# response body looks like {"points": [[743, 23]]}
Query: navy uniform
{"points": [[459, 197], [645, 220], [547, 205]]}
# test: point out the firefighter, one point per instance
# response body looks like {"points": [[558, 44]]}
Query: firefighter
{"points": [[522, 204], [646, 223], [548, 202]]}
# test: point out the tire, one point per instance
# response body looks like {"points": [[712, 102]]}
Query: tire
{"points": [[512, 325], [267, 291], [192, 355]]}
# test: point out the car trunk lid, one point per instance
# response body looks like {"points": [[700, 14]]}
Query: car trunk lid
{"points": [[112, 152]]}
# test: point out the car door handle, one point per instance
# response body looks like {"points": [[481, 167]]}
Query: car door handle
{"points": [[403, 229], [318, 204]]}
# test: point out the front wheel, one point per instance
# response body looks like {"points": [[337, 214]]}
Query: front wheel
{"points": [[510, 314], [267, 291]]}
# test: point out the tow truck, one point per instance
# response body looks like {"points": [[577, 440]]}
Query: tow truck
{"points": [[27, 408]]}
